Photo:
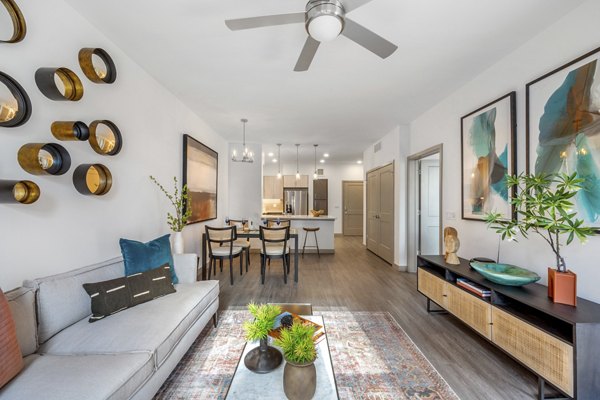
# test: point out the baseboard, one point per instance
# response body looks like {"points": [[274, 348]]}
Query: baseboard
{"points": [[401, 268]]}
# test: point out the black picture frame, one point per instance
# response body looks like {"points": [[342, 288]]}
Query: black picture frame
{"points": [[511, 97], [531, 158], [204, 203]]}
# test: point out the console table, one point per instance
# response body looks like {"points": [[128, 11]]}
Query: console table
{"points": [[558, 343]]}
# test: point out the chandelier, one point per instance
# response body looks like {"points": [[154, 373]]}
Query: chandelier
{"points": [[247, 156]]}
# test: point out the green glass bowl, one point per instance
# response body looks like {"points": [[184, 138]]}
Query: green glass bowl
{"points": [[505, 274]]}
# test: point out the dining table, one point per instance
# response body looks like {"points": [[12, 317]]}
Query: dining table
{"points": [[251, 233]]}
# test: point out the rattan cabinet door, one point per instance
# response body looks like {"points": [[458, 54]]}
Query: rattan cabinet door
{"points": [[472, 311], [432, 287], [543, 353]]}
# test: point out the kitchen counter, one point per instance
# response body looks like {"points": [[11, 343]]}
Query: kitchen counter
{"points": [[298, 217], [325, 235]]}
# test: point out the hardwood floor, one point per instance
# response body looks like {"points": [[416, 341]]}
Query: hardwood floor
{"points": [[360, 281]]}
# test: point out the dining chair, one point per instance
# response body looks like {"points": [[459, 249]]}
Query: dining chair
{"points": [[220, 247], [244, 244], [278, 223], [274, 246]]}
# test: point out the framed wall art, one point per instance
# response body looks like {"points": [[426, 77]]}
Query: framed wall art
{"points": [[200, 174], [563, 128], [488, 150]]}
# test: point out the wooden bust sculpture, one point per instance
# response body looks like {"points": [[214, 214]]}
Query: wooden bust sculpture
{"points": [[452, 245]]}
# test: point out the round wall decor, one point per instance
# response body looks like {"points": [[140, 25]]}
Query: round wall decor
{"points": [[92, 179], [68, 87], [105, 138], [97, 65], [18, 22], [23, 192], [70, 130], [44, 159], [15, 106]]}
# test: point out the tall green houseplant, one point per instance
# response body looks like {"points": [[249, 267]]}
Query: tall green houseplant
{"points": [[544, 206]]}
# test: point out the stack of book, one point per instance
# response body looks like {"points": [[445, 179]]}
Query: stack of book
{"points": [[474, 288]]}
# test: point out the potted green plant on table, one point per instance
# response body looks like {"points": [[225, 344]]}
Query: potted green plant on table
{"points": [[263, 358], [544, 205], [183, 211], [299, 351]]}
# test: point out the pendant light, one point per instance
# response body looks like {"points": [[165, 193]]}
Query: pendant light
{"points": [[315, 176], [279, 160], [297, 166], [247, 155]]}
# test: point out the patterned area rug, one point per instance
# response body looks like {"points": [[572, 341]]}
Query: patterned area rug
{"points": [[373, 358]]}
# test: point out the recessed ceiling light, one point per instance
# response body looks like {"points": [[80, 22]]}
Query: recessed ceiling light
{"points": [[322, 161], [274, 160], [326, 155], [359, 162], [270, 154]]}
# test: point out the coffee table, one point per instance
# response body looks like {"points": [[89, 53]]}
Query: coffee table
{"points": [[249, 385]]}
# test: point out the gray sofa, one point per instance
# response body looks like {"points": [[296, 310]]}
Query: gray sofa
{"points": [[128, 355]]}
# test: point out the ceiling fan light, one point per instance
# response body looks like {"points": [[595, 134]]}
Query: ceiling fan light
{"points": [[325, 28]]}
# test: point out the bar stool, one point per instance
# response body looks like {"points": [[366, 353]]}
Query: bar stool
{"points": [[314, 231]]}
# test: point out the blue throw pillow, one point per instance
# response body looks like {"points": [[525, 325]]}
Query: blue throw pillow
{"points": [[142, 257]]}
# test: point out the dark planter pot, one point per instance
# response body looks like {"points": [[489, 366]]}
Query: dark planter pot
{"points": [[263, 359], [562, 287], [299, 381]]}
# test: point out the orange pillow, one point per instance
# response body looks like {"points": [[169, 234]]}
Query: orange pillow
{"points": [[10, 353]]}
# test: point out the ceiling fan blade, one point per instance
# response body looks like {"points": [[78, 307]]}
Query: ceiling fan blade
{"points": [[351, 5], [307, 55], [368, 39], [267, 20]]}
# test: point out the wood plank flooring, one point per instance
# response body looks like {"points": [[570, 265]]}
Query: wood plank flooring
{"points": [[357, 279]]}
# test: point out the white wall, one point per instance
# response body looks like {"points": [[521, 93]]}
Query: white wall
{"points": [[245, 184], [334, 173], [394, 148], [64, 229], [572, 36]]}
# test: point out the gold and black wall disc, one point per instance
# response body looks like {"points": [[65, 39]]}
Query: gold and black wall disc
{"points": [[15, 106], [92, 179], [70, 130], [68, 87], [44, 159], [18, 22], [97, 65], [105, 138], [24, 192]]}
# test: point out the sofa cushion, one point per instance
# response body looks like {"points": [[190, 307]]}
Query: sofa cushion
{"points": [[22, 306], [140, 257], [115, 295], [61, 300], [106, 376], [156, 326], [11, 360]]}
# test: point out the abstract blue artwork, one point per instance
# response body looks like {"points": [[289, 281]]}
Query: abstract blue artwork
{"points": [[563, 129], [488, 154]]}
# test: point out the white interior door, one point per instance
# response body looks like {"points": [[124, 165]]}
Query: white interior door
{"points": [[429, 207]]}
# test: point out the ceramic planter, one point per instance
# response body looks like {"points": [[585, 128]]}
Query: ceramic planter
{"points": [[562, 287], [178, 242], [299, 381]]}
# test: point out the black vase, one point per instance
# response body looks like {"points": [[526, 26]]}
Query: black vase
{"points": [[263, 359]]}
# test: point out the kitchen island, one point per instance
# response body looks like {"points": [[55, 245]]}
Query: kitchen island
{"points": [[324, 235]]}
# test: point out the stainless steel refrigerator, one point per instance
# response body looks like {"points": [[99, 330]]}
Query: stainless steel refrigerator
{"points": [[295, 201]]}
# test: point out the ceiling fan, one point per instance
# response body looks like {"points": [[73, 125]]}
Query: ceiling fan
{"points": [[324, 20]]}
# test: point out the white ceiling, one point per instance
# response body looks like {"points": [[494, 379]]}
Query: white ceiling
{"points": [[349, 98]]}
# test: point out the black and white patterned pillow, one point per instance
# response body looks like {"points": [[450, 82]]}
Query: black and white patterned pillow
{"points": [[110, 297]]}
